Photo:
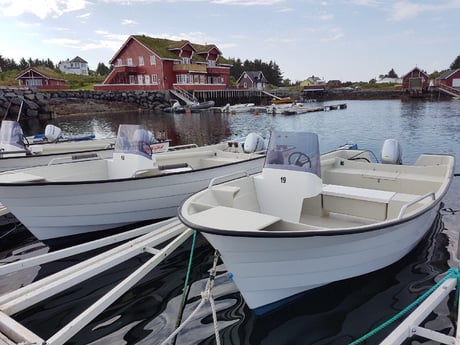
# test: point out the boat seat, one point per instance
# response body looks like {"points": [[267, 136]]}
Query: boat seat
{"points": [[354, 201], [20, 177], [230, 218], [282, 192]]}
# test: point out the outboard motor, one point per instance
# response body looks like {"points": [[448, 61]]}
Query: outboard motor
{"points": [[52, 133], [253, 143], [391, 152]]}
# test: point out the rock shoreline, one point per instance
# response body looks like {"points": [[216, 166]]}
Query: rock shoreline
{"points": [[64, 103], [31, 103]]}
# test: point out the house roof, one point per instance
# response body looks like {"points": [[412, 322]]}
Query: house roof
{"points": [[447, 74], [415, 68], [78, 59], [254, 76], [42, 71], [164, 48]]}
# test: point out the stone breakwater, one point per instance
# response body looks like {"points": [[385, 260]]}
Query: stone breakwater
{"points": [[49, 103]]}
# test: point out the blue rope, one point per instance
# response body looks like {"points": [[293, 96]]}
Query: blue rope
{"points": [[451, 273]]}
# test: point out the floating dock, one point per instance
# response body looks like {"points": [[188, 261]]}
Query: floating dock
{"points": [[142, 240]]}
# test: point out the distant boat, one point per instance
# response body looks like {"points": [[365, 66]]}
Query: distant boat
{"points": [[308, 220], [283, 100], [193, 107], [17, 151]]}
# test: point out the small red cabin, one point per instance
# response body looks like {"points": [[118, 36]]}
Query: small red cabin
{"points": [[42, 78], [416, 81]]}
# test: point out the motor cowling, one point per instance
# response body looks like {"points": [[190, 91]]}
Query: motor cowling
{"points": [[253, 143], [52, 133], [391, 152]]}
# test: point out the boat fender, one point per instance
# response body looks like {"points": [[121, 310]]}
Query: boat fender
{"points": [[52, 133], [391, 152], [253, 143]]}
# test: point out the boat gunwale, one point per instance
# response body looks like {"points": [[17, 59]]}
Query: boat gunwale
{"points": [[321, 232], [94, 150], [125, 179], [307, 232]]}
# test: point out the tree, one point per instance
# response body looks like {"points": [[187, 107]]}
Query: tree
{"points": [[392, 74], [456, 63], [102, 69]]}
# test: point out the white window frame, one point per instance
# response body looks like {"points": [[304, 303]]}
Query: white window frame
{"points": [[130, 62], [119, 62], [140, 79], [147, 79], [154, 79], [141, 61], [131, 79], [153, 60]]}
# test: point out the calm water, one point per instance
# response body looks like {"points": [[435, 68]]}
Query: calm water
{"points": [[336, 314]]}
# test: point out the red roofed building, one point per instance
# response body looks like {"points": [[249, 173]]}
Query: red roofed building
{"points": [[42, 78], [147, 63]]}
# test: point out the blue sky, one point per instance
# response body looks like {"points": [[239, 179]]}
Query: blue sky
{"points": [[349, 40]]}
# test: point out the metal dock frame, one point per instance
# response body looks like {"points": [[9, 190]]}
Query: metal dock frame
{"points": [[12, 332]]}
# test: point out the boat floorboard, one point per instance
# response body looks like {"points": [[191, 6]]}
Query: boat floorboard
{"points": [[334, 220]]}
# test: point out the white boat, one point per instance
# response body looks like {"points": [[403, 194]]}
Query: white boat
{"points": [[308, 220], [135, 185], [17, 151]]}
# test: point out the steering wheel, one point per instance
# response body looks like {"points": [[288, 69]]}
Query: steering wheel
{"points": [[299, 158]]}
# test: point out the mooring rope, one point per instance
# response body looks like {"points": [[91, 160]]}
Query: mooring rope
{"points": [[186, 287], [451, 273], [206, 295]]}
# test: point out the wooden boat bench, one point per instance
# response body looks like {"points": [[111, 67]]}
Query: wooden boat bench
{"points": [[354, 201], [367, 203]]}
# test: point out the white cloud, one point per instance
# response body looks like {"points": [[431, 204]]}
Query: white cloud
{"points": [[41, 8], [84, 16], [129, 22], [247, 2], [63, 42], [405, 9]]}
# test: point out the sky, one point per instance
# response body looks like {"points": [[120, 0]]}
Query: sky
{"points": [[348, 40]]}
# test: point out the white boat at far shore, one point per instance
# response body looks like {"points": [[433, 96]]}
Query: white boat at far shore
{"points": [[309, 220], [135, 185], [17, 151]]}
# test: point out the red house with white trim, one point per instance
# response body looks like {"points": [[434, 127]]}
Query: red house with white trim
{"points": [[148, 63], [42, 78], [449, 78]]}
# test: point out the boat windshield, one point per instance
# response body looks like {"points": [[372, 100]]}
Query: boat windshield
{"points": [[11, 134], [294, 151], [134, 139]]}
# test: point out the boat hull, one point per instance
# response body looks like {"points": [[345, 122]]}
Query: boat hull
{"points": [[52, 210], [269, 269]]}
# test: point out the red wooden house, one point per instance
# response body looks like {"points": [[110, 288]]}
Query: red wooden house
{"points": [[42, 78], [147, 63], [254, 80], [449, 78], [416, 81]]}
